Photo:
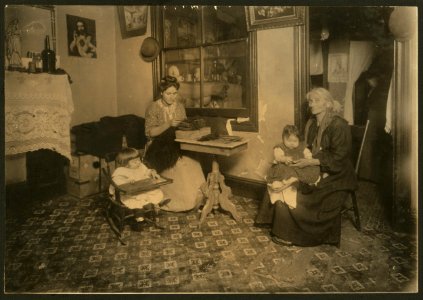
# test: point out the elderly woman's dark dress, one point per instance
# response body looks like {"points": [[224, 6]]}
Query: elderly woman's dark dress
{"points": [[317, 218]]}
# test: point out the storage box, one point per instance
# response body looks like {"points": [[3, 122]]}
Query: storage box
{"points": [[104, 186], [81, 189], [84, 188], [84, 167]]}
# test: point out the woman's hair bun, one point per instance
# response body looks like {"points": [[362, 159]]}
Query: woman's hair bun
{"points": [[169, 79], [167, 82]]}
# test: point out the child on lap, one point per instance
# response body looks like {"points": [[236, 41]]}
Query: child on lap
{"points": [[282, 177]]}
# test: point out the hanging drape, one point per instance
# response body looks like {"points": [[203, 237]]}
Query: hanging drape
{"points": [[360, 58], [388, 124], [316, 57]]}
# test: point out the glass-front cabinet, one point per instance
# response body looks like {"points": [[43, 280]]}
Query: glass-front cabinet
{"points": [[210, 52]]}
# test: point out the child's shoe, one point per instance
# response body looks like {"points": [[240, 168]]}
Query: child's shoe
{"points": [[148, 207], [138, 225]]}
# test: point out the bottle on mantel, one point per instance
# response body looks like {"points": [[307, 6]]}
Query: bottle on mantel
{"points": [[49, 57]]}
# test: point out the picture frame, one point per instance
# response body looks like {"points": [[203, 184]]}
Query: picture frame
{"points": [[34, 23], [81, 35], [265, 17], [133, 20]]}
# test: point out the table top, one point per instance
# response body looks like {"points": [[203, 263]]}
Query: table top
{"points": [[218, 147]]}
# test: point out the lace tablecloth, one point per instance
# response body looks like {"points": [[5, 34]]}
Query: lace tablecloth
{"points": [[38, 109]]}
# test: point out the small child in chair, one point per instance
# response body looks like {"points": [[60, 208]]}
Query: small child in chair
{"points": [[282, 177], [130, 169]]}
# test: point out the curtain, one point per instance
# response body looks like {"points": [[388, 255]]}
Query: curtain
{"points": [[360, 58], [388, 124], [316, 58]]}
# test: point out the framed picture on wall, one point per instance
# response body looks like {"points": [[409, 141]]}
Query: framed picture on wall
{"points": [[81, 37], [264, 17], [133, 20], [337, 67]]}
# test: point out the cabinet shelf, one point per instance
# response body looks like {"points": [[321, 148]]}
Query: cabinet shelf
{"points": [[197, 61]]}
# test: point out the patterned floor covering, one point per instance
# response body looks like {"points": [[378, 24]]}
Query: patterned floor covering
{"points": [[64, 245]]}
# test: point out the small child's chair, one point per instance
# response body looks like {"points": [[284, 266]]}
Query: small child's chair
{"points": [[117, 213]]}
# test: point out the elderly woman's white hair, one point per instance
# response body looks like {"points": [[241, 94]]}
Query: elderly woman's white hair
{"points": [[324, 94]]}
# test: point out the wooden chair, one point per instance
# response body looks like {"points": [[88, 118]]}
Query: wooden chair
{"points": [[116, 212], [360, 134]]}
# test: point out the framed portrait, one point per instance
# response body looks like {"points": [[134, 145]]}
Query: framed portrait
{"points": [[133, 20], [81, 37], [338, 67], [264, 17]]}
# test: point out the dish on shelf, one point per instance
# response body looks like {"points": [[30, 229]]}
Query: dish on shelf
{"points": [[173, 71]]}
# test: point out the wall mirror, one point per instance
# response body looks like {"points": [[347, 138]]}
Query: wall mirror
{"points": [[26, 27]]}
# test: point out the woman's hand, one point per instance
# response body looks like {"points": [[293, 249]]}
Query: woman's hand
{"points": [[288, 160], [277, 186], [153, 174], [175, 122], [305, 162]]}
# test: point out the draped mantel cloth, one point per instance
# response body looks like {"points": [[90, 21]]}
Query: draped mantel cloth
{"points": [[38, 109], [360, 58]]}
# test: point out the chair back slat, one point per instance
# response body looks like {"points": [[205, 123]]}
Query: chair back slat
{"points": [[357, 163]]}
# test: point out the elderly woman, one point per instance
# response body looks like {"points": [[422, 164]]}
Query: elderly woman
{"points": [[317, 218], [163, 153]]}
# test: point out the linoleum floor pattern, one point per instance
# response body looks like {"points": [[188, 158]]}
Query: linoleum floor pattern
{"points": [[65, 245]]}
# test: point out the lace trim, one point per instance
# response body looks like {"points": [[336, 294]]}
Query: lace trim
{"points": [[18, 149]]}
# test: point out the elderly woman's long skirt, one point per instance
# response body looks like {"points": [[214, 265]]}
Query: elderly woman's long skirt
{"points": [[316, 219]]}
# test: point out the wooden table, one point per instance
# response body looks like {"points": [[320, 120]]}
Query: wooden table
{"points": [[215, 189]]}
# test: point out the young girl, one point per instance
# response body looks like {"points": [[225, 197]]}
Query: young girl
{"points": [[282, 175], [130, 169]]}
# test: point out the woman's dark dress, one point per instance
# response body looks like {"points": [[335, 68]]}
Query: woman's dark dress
{"points": [[317, 219]]}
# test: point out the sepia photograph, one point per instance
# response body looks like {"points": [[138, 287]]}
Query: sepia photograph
{"points": [[211, 149]]}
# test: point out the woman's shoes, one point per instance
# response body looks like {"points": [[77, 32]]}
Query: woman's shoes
{"points": [[261, 225], [280, 241], [164, 202]]}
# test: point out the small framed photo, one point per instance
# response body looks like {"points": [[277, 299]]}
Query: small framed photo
{"points": [[133, 20], [263, 17]]}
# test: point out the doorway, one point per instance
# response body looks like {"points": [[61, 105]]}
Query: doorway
{"points": [[351, 53]]}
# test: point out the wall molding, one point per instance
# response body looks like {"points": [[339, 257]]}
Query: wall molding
{"points": [[245, 187]]}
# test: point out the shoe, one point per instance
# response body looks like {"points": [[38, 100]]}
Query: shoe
{"points": [[148, 207], [280, 241], [261, 225], [200, 208], [138, 226], [164, 202]]}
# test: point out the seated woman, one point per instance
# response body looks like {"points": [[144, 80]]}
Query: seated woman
{"points": [[163, 154], [317, 218]]}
